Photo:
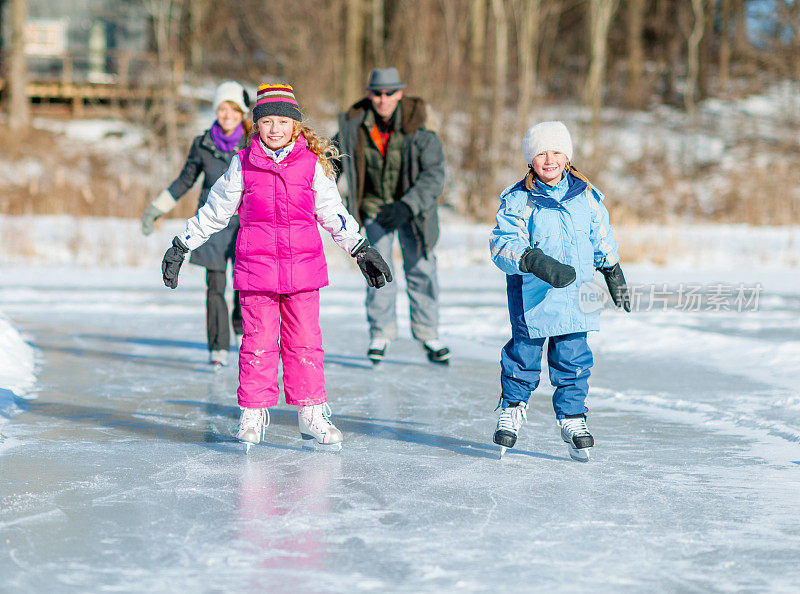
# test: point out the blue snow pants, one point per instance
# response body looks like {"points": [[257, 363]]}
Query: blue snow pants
{"points": [[569, 360]]}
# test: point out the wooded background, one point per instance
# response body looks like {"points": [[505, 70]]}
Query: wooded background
{"points": [[482, 64]]}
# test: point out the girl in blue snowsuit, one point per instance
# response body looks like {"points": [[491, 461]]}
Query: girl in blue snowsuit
{"points": [[552, 233]]}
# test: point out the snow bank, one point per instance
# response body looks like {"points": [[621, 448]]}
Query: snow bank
{"points": [[16, 361], [16, 373]]}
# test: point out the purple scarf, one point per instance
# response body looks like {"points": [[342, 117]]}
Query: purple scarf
{"points": [[226, 143]]}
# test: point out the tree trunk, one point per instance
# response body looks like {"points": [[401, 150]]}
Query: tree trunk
{"points": [[378, 34], [693, 57], [551, 14], [497, 131], [477, 131], [198, 9], [19, 107], [635, 93], [600, 15], [705, 51], [741, 42], [527, 50], [794, 19], [166, 15], [353, 52], [725, 46]]}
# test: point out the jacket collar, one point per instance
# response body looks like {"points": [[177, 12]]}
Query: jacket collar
{"points": [[543, 195], [413, 113], [261, 159]]}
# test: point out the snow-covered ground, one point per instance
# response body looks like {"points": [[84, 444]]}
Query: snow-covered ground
{"points": [[119, 472]]}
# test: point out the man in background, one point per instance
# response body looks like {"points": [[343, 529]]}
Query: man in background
{"points": [[394, 169]]}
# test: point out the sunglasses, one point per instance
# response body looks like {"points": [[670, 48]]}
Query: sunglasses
{"points": [[384, 93]]}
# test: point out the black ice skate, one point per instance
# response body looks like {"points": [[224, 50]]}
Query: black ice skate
{"points": [[577, 437], [509, 424], [437, 352]]}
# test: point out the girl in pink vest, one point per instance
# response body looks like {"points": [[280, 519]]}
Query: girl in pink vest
{"points": [[281, 188]]}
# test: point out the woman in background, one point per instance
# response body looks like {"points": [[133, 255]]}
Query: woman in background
{"points": [[211, 154]]}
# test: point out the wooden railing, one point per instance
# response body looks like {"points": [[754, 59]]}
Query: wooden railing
{"points": [[80, 78]]}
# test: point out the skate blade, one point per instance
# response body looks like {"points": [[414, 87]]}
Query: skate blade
{"points": [[581, 455], [247, 445], [309, 443], [502, 451]]}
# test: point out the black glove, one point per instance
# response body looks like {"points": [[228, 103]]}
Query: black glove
{"points": [[617, 286], [171, 264], [550, 270], [373, 266], [393, 215]]}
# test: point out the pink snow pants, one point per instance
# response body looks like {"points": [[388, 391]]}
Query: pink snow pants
{"points": [[281, 327]]}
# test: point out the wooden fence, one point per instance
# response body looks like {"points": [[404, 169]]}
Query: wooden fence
{"points": [[80, 80]]}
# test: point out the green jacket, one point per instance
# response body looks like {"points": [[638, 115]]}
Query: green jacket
{"points": [[421, 171]]}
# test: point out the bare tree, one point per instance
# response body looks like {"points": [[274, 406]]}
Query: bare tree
{"points": [[477, 57], [600, 14], [528, 12], [550, 19], [635, 22], [500, 86], [198, 9], [353, 53], [378, 34], [18, 108], [725, 45], [166, 16], [693, 58], [789, 13], [741, 41]]}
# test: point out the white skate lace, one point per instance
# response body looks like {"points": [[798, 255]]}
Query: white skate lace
{"points": [[322, 421], [512, 418], [576, 426], [256, 419]]}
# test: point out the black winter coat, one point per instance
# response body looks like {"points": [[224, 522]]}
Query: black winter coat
{"points": [[421, 172], [206, 158]]}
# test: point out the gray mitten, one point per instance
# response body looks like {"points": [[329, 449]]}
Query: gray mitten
{"points": [[163, 203]]}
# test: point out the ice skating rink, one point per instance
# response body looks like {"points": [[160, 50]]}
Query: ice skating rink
{"points": [[119, 472]]}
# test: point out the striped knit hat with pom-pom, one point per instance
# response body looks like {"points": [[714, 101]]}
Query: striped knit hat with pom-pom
{"points": [[276, 100]]}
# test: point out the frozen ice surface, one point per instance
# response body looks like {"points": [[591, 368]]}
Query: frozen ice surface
{"points": [[122, 475]]}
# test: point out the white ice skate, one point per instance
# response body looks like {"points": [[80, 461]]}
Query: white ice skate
{"points": [[218, 359], [316, 428], [508, 425], [252, 424], [577, 437], [377, 349]]}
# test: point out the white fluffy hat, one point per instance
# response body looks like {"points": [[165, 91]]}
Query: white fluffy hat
{"points": [[234, 92], [546, 136]]}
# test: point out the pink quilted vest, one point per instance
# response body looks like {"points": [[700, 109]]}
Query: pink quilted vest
{"points": [[279, 248]]}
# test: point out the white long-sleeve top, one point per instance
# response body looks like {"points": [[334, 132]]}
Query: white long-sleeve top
{"points": [[225, 197]]}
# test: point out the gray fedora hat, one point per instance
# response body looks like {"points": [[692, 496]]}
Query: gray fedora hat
{"points": [[384, 79]]}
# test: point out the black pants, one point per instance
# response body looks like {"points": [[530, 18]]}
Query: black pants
{"points": [[219, 334]]}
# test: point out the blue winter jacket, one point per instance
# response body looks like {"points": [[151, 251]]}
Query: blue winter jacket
{"points": [[567, 222]]}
